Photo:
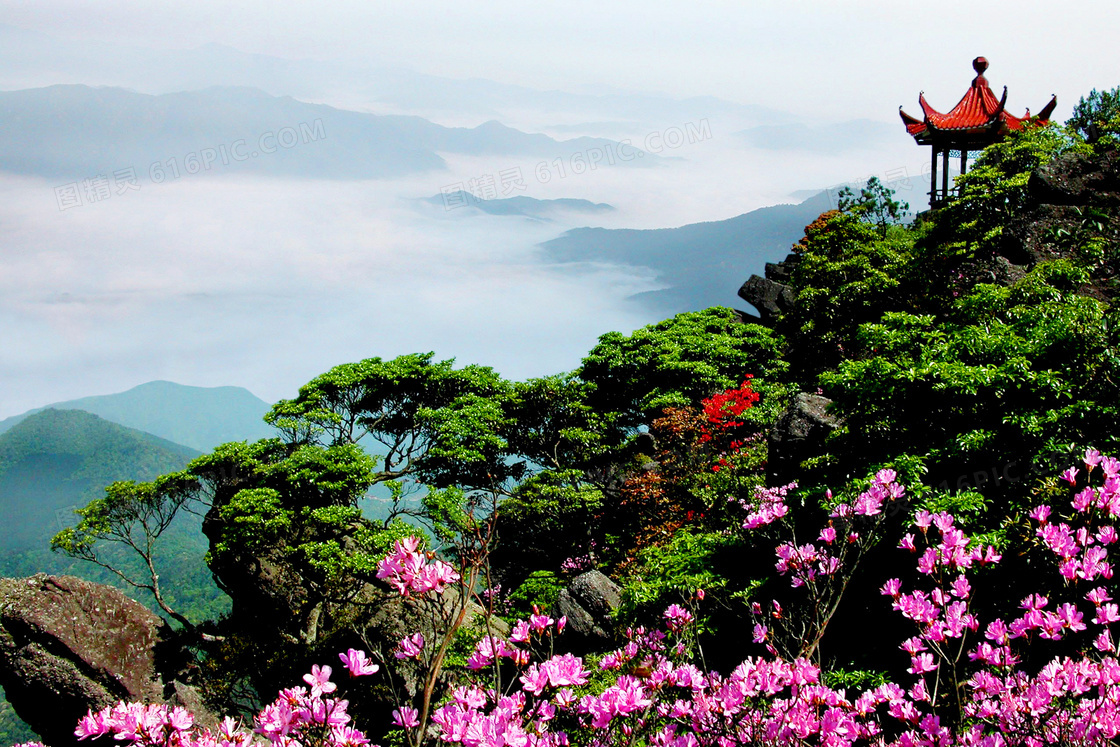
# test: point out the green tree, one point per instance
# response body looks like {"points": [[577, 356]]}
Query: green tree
{"points": [[846, 275], [678, 362], [875, 205], [134, 515], [589, 433], [1097, 117]]}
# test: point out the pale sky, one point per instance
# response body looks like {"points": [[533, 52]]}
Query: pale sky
{"points": [[837, 59]]}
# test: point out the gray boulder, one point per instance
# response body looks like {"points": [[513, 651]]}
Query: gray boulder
{"points": [[68, 646], [589, 603], [771, 298], [798, 434]]}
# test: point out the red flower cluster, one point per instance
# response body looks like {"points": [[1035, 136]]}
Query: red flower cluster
{"points": [[722, 410]]}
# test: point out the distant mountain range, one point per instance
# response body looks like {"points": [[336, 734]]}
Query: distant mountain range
{"points": [[197, 417], [702, 264], [33, 59], [520, 205], [75, 131]]}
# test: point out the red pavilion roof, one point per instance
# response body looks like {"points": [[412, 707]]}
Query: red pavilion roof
{"points": [[978, 119]]}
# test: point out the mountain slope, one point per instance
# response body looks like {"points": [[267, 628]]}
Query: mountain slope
{"points": [[198, 417], [78, 131], [702, 263], [56, 460]]}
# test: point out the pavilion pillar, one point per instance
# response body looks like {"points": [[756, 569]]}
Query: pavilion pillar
{"points": [[945, 175], [933, 176]]}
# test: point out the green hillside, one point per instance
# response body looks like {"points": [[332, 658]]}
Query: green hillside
{"points": [[58, 460], [198, 417]]}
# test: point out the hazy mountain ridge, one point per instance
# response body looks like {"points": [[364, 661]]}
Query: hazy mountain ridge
{"points": [[34, 59], [79, 131], [700, 263], [196, 417], [518, 205]]}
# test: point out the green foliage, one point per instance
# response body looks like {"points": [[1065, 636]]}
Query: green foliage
{"points": [[254, 518], [551, 423], [1027, 363], [854, 680], [846, 275], [673, 572], [1097, 117], [875, 205], [540, 589], [677, 363], [437, 424], [1093, 240], [550, 517], [12, 729], [994, 190]]}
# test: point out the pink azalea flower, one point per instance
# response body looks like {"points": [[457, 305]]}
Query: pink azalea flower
{"points": [[320, 680], [677, 617], [358, 663], [921, 664], [520, 633], [406, 717], [410, 647]]}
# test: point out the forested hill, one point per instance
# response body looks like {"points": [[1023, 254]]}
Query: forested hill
{"points": [[58, 460], [198, 417]]}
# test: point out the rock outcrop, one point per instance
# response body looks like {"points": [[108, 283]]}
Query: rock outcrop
{"points": [[1069, 202], [798, 434], [68, 646], [1078, 180], [771, 295], [588, 603]]}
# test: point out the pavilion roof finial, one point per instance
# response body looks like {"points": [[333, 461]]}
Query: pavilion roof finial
{"points": [[980, 64]]}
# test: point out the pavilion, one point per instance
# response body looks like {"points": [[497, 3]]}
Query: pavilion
{"points": [[977, 121]]}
